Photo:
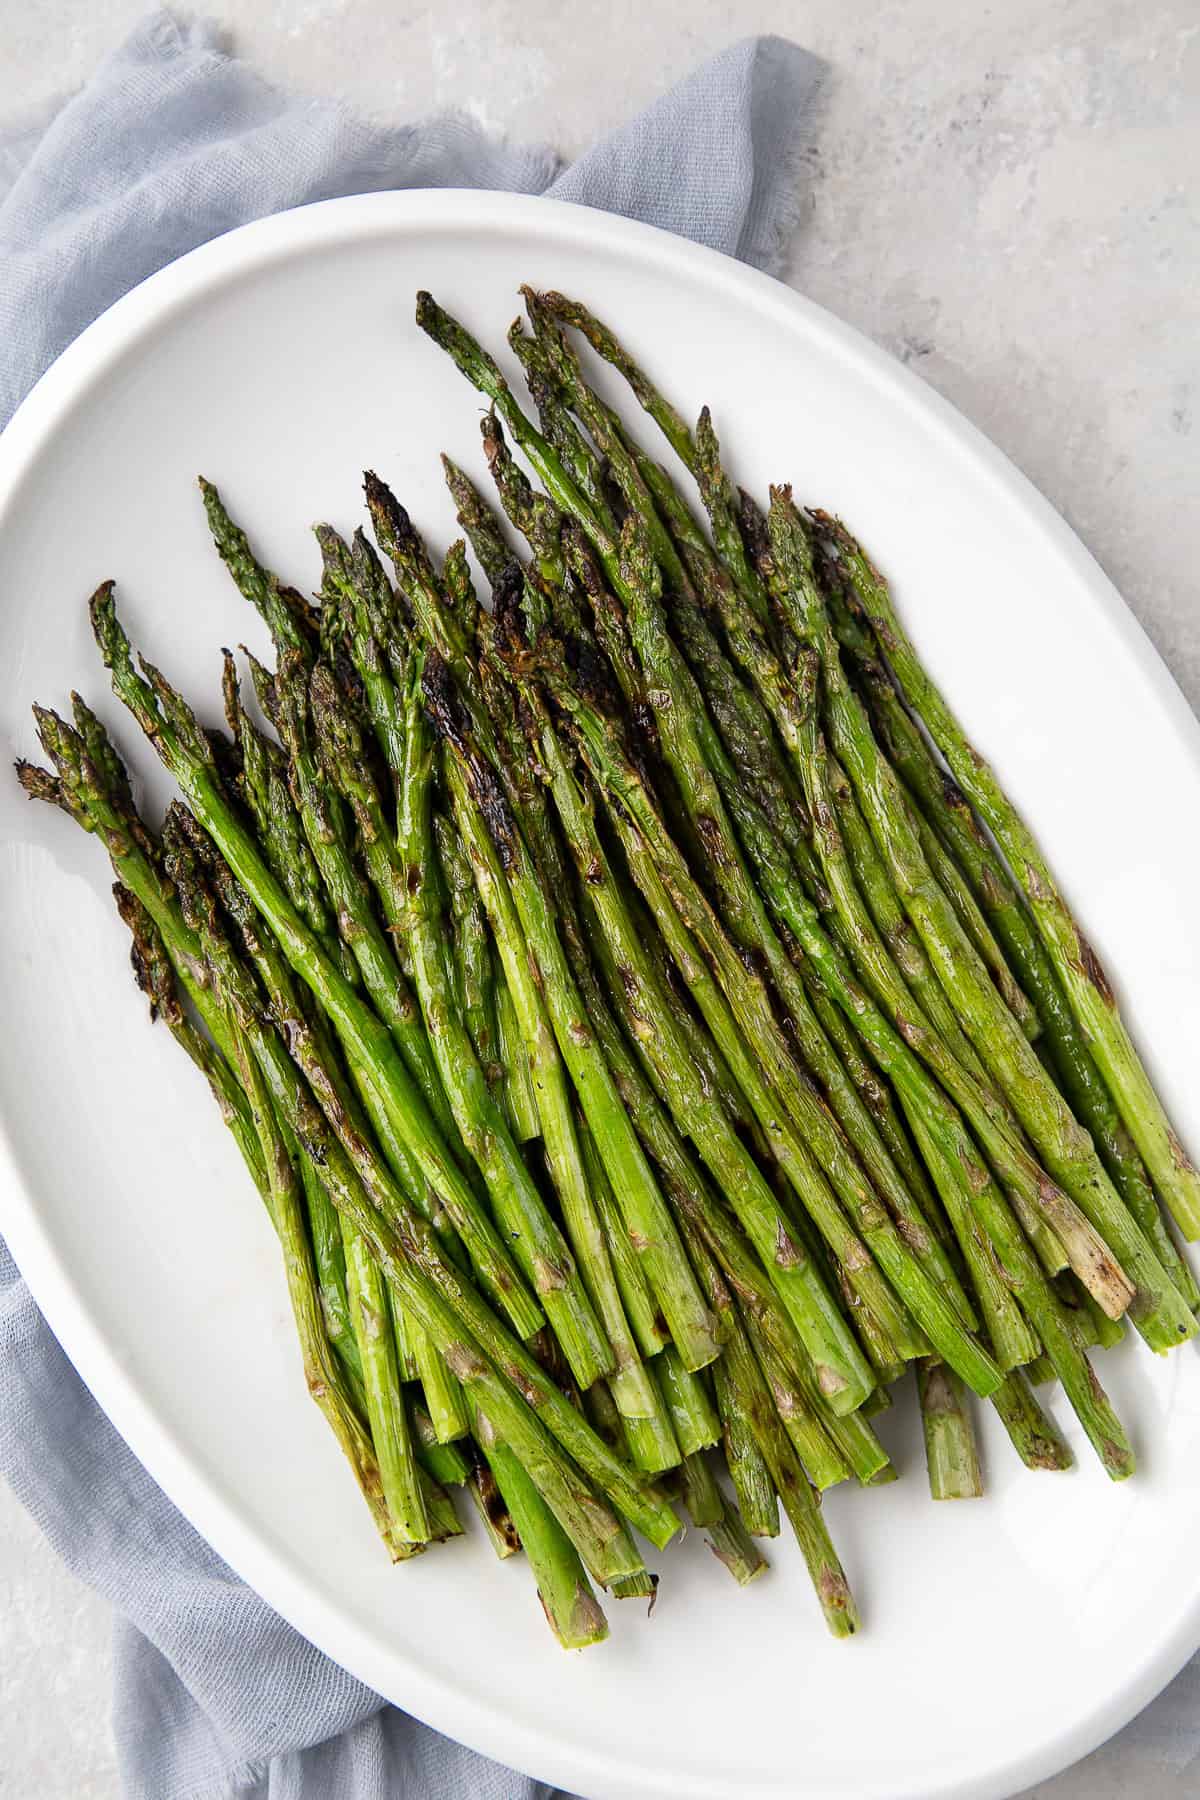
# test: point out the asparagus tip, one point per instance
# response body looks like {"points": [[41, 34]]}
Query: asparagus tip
{"points": [[38, 783], [106, 627]]}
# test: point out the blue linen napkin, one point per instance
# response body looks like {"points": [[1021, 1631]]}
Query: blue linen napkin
{"points": [[170, 144]]}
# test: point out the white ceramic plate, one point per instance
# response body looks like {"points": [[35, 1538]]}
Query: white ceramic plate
{"points": [[1002, 1639]]}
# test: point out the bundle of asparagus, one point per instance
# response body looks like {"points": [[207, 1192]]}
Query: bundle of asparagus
{"points": [[649, 1025]]}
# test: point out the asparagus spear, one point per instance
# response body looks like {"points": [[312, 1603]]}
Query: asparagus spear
{"points": [[265, 787], [295, 635], [92, 787], [381, 1379], [882, 973], [1157, 1309], [273, 1171], [471, 1337], [355, 583], [766, 1316], [768, 808], [632, 1387], [598, 420], [631, 569], [1035, 1197], [682, 1179], [842, 1370], [325, 826], [646, 1215], [698, 1043], [720, 497], [490, 1504], [738, 1374], [1075, 962], [623, 783], [1071, 1061], [935, 1310], [378, 1068], [175, 734], [369, 1304], [610, 1262]]}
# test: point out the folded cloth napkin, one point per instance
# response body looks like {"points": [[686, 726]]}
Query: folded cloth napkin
{"points": [[171, 143]]}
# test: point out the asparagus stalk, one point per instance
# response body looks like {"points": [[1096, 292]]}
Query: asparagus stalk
{"points": [[951, 1453], [472, 950], [767, 808], [381, 1380], [1035, 1197], [1075, 962], [513, 489], [645, 1319], [490, 1504], [568, 1601], [706, 809], [889, 985], [823, 1461], [381, 1341], [519, 1098], [459, 587], [1034, 1435], [92, 787], [733, 1546], [632, 1388], [688, 1403], [748, 1470], [322, 816], [434, 1289], [970, 917], [906, 972], [766, 1317], [703, 1500], [465, 1466], [738, 1373], [650, 1441], [265, 787]]}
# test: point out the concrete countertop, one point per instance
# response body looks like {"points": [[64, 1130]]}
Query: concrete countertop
{"points": [[999, 194]]}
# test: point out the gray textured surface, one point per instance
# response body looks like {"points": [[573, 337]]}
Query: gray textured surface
{"points": [[998, 194]]}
